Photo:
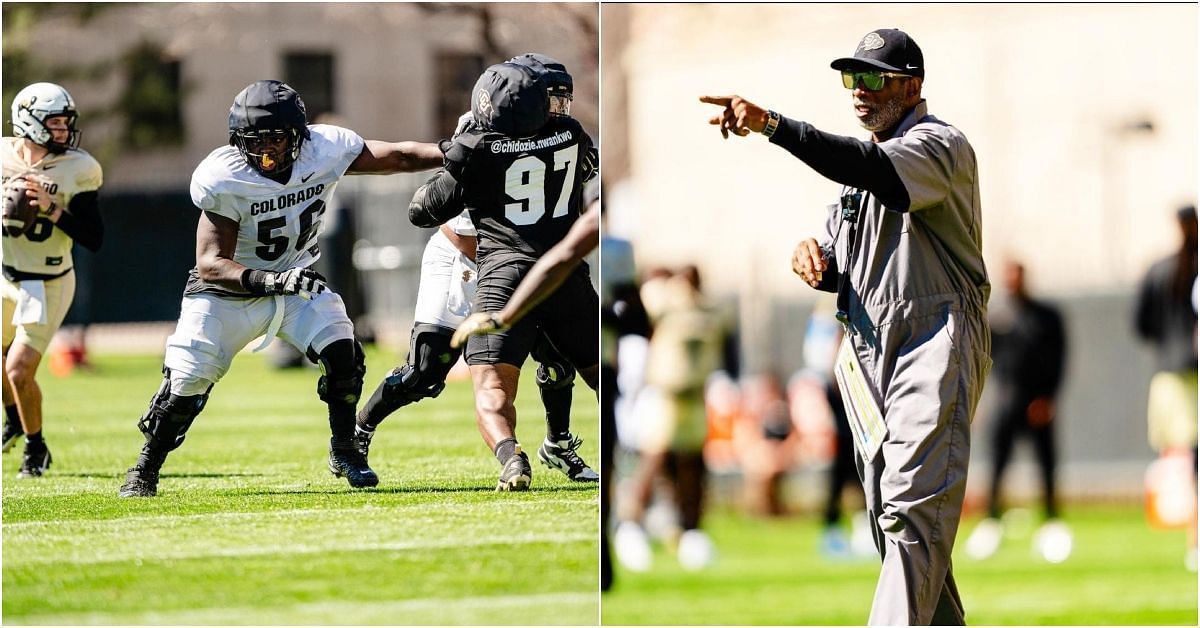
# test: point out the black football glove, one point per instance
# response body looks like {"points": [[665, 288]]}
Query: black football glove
{"points": [[590, 163], [305, 282]]}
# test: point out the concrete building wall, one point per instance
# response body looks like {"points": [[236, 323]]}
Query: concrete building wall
{"points": [[385, 84]]}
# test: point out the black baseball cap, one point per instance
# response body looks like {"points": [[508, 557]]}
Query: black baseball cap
{"points": [[887, 49]]}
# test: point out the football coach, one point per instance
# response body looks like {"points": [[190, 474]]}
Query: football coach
{"points": [[903, 251]]}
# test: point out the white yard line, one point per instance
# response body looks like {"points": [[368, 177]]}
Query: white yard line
{"points": [[284, 514], [338, 612], [140, 554]]}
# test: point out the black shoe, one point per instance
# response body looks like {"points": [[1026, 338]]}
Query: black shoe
{"points": [[562, 456], [516, 474], [37, 460], [142, 478], [12, 431], [140, 482], [347, 461]]}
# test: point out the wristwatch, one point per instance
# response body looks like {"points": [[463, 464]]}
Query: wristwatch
{"points": [[772, 123]]}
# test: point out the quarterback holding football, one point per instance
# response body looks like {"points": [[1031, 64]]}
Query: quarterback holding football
{"points": [[50, 202]]}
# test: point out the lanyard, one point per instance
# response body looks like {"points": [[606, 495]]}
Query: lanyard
{"points": [[853, 202]]}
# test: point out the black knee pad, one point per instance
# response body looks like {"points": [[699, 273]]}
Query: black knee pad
{"points": [[430, 359], [343, 365], [167, 420], [554, 371]]}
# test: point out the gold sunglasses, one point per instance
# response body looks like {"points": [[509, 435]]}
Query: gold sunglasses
{"points": [[872, 80]]}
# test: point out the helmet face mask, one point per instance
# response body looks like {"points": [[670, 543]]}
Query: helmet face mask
{"points": [[268, 150], [561, 84], [34, 106], [268, 124], [560, 101]]}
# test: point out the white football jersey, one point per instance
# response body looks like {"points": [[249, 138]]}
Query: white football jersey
{"points": [[278, 224], [46, 249]]}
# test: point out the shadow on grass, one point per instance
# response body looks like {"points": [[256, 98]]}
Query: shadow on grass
{"points": [[121, 475]]}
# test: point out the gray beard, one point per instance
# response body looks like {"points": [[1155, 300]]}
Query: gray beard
{"points": [[885, 117]]}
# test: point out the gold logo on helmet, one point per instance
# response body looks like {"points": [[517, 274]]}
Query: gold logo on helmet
{"points": [[485, 103]]}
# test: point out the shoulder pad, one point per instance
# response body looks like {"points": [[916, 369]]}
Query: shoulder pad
{"points": [[458, 153]]}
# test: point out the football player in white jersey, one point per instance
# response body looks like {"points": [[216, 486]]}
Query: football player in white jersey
{"points": [[261, 200], [62, 180]]}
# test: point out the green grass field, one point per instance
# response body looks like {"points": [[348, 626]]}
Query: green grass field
{"points": [[770, 572], [250, 527]]}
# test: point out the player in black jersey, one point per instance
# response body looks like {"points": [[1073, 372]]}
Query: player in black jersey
{"points": [[431, 356], [520, 170]]}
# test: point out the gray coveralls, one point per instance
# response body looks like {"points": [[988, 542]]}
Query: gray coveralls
{"points": [[916, 302]]}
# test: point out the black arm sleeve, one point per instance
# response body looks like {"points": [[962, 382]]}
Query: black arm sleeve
{"points": [[846, 160], [439, 200], [81, 220]]}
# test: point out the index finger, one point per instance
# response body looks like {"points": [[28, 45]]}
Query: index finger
{"points": [[722, 101]]}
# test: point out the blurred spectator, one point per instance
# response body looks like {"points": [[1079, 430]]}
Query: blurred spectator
{"points": [[1029, 352], [1166, 319], [686, 348], [822, 337], [621, 314], [765, 442]]}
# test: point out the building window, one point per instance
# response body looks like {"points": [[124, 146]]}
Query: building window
{"points": [[311, 74], [153, 98], [456, 75]]}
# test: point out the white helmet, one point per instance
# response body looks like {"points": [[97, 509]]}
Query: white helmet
{"points": [[37, 102]]}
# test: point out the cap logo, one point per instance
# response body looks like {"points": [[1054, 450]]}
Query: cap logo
{"points": [[485, 103], [871, 42]]}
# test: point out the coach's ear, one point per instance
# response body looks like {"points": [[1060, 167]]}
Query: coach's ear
{"points": [[913, 87]]}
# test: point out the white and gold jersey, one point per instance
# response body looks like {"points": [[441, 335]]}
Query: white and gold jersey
{"points": [[688, 340], [45, 249], [278, 223]]}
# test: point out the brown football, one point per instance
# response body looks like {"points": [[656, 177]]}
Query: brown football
{"points": [[19, 210]]}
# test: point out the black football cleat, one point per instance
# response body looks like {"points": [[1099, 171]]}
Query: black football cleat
{"points": [[346, 460], [516, 474], [37, 460], [139, 482], [12, 431], [562, 455]]}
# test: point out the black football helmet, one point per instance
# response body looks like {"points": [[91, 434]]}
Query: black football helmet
{"points": [[268, 112], [559, 82], [511, 99]]}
